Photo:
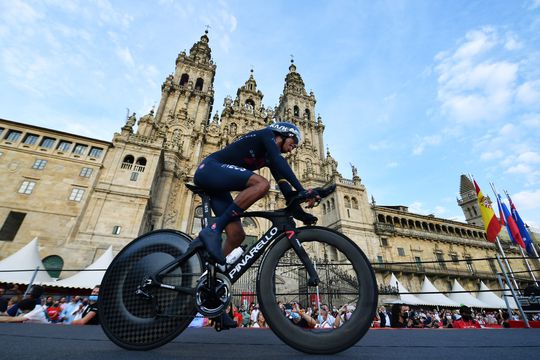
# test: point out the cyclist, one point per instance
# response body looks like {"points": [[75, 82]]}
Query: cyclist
{"points": [[231, 169]]}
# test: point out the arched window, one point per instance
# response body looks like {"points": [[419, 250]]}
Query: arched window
{"points": [[234, 129], [347, 202], [129, 159], [54, 265], [324, 209], [308, 114], [184, 79], [250, 104], [296, 111], [381, 218], [354, 203], [333, 203], [140, 164], [199, 84]]}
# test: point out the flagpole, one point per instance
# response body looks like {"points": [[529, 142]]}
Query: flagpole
{"points": [[501, 250], [528, 266], [511, 272]]}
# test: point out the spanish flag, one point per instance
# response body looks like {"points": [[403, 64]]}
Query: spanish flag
{"points": [[491, 223]]}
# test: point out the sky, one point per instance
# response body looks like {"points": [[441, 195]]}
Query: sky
{"points": [[413, 93]]}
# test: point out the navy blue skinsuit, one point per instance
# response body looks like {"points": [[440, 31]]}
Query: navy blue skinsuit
{"points": [[230, 168]]}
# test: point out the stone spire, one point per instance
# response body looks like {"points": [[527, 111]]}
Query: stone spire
{"points": [[468, 201], [293, 82], [200, 51]]}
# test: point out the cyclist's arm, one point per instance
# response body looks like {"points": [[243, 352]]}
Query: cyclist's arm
{"points": [[284, 186], [277, 162]]}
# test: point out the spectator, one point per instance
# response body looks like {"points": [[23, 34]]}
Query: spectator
{"points": [[325, 320], [90, 314], [31, 313], [236, 316], [466, 320], [68, 314], [34, 294], [254, 314], [261, 322], [53, 312], [400, 316], [447, 319], [298, 316], [245, 316], [384, 317], [3, 301]]}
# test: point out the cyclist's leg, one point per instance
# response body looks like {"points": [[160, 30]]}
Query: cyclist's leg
{"points": [[235, 231], [219, 178]]}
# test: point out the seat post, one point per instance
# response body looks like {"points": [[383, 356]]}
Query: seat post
{"points": [[207, 212]]}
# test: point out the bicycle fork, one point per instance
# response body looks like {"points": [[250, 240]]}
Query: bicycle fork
{"points": [[313, 279]]}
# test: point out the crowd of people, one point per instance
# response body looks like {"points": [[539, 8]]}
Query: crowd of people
{"points": [[403, 316], [34, 307], [250, 316]]}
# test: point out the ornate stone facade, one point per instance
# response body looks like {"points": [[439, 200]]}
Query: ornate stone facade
{"points": [[137, 184]]}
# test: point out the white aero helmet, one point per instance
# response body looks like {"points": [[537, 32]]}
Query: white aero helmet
{"points": [[286, 129]]}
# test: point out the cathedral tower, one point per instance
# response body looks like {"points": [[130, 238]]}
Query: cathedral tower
{"points": [[468, 202]]}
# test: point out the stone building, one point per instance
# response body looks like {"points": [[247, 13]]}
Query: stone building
{"points": [[80, 195]]}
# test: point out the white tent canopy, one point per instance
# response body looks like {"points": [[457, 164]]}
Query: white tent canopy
{"points": [[437, 298], [88, 279], [465, 298], [27, 258], [405, 297], [489, 298]]}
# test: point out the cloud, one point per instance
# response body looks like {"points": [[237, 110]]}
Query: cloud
{"points": [[425, 141], [491, 155], [527, 200], [519, 169], [474, 83], [529, 93], [417, 207], [534, 4], [531, 120], [379, 145], [530, 157], [512, 42], [124, 54]]}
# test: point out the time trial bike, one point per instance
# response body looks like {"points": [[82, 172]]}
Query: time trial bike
{"points": [[156, 285]]}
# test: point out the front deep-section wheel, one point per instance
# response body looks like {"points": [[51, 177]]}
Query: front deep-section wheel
{"points": [[323, 319], [138, 322]]}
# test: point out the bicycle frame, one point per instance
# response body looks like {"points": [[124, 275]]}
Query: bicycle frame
{"points": [[282, 225]]}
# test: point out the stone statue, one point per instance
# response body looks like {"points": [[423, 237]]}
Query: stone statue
{"points": [[354, 170]]}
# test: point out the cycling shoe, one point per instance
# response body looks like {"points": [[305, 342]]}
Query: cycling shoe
{"points": [[299, 214], [212, 242]]}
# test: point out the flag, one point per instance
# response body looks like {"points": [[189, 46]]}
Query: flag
{"points": [[491, 223], [511, 226], [521, 226]]}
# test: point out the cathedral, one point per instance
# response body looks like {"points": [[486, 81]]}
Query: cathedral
{"points": [[80, 195]]}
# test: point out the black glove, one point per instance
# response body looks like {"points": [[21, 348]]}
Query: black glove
{"points": [[299, 214], [309, 193]]}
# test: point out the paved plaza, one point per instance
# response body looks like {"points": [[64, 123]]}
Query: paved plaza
{"points": [[28, 341]]}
